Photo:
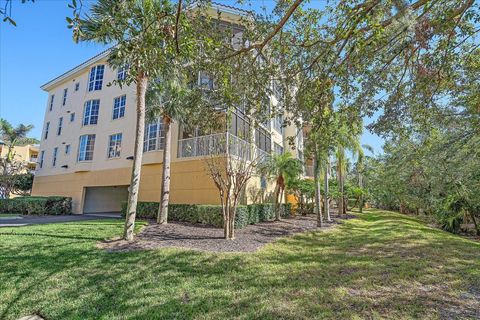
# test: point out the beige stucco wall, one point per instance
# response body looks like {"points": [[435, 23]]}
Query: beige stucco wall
{"points": [[190, 183], [27, 153]]}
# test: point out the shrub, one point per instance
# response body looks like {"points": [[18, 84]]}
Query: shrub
{"points": [[211, 214], [37, 205]]}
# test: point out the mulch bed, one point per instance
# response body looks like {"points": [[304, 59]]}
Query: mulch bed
{"points": [[205, 238]]}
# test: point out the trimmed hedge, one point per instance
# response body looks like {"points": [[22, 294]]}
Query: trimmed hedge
{"points": [[37, 205], [212, 214]]}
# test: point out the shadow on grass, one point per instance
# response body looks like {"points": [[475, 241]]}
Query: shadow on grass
{"points": [[375, 265]]}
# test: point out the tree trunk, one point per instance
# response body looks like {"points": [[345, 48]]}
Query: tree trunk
{"points": [[231, 227], [142, 83], [340, 189], [226, 220], [278, 189], [326, 205], [316, 173], [360, 185], [162, 216], [477, 227]]}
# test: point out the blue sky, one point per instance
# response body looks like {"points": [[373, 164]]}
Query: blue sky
{"points": [[41, 48]]}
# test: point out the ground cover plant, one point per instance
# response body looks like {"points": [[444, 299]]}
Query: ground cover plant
{"points": [[381, 265]]}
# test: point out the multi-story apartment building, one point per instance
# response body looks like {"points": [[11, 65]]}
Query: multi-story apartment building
{"points": [[88, 140], [27, 154]]}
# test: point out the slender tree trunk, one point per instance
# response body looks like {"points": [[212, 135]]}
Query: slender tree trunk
{"points": [[162, 216], [316, 173], [360, 185], [326, 204], [226, 219], [340, 189], [142, 83], [278, 189], [477, 227], [231, 227]]}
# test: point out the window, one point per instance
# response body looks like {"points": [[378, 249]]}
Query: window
{"points": [[52, 97], [47, 127], [64, 101], [278, 123], [77, 86], [90, 115], [263, 140], [154, 136], [67, 149], [42, 156], [205, 81], [277, 148], [263, 182], [95, 79], [240, 126], [119, 107], [54, 158], [72, 116], [60, 124], [86, 146], [115, 145], [122, 72]]}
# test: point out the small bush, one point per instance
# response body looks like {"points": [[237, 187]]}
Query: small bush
{"points": [[37, 205], [211, 214]]}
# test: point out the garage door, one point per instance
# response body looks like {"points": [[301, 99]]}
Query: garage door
{"points": [[104, 199]]}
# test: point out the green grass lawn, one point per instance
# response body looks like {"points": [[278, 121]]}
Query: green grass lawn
{"points": [[8, 215], [381, 265]]}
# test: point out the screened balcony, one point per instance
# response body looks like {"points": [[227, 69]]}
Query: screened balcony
{"points": [[218, 144]]}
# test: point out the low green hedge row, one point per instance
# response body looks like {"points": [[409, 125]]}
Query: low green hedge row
{"points": [[37, 205], [212, 214]]}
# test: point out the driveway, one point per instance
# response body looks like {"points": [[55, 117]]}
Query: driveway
{"points": [[29, 220]]}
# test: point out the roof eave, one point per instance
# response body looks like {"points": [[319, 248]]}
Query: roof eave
{"points": [[47, 86]]}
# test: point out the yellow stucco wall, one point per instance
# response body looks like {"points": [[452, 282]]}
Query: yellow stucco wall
{"points": [[190, 183]]}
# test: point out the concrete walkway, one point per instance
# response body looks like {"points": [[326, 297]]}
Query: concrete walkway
{"points": [[29, 220]]}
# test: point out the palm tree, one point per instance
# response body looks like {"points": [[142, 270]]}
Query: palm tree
{"points": [[165, 101], [15, 136], [284, 168], [347, 139], [135, 29], [361, 169]]}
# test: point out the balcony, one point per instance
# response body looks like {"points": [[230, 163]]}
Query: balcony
{"points": [[34, 159], [216, 144]]}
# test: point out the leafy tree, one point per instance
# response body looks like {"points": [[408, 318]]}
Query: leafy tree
{"points": [[12, 169], [152, 38]]}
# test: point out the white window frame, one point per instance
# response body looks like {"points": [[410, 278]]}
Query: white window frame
{"points": [[72, 116], [52, 98], [42, 157], [84, 152], [77, 86], [65, 93], [60, 125], [67, 149], [119, 105], [114, 146], [95, 78], [47, 129], [122, 72], [90, 117], [154, 140], [54, 157]]}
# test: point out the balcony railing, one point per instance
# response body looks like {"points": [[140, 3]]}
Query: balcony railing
{"points": [[216, 144], [33, 159]]}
